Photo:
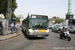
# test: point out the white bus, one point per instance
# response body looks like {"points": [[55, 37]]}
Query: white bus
{"points": [[36, 26]]}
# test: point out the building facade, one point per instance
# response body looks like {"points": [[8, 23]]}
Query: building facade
{"points": [[52, 20], [2, 16], [21, 18]]}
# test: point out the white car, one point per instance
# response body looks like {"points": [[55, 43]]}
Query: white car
{"points": [[51, 26], [64, 26], [60, 27], [55, 29], [71, 29]]}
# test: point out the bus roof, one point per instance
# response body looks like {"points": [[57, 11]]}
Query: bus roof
{"points": [[39, 16]]}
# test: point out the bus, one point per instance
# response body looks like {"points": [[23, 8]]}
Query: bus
{"points": [[36, 26]]}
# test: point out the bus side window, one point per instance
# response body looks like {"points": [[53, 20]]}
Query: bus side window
{"points": [[27, 23]]}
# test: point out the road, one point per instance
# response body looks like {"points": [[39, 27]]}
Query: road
{"points": [[52, 42]]}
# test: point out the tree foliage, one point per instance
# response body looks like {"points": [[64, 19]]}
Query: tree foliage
{"points": [[17, 19], [4, 6], [14, 5], [14, 16], [59, 20]]}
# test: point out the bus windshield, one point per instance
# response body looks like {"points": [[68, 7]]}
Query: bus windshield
{"points": [[38, 23]]}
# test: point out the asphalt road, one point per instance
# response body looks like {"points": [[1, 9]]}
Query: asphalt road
{"points": [[52, 42]]}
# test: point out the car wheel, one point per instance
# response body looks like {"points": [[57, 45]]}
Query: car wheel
{"points": [[25, 31], [56, 31], [74, 32], [22, 29], [70, 32]]}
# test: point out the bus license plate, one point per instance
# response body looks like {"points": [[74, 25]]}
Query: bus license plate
{"points": [[39, 35]]}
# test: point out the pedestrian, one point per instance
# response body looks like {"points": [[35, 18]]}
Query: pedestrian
{"points": [[12, 28], [1, 28], [17, 27]]}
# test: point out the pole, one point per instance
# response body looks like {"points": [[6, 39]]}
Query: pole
{"points": [[10, 9], [9, 12]]}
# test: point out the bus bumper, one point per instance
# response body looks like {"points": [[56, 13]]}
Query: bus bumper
{"points": [[39, 35]]}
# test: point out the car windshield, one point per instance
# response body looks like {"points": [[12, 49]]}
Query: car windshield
{"points": [[38, 23], [64, 25], [74, 27], [51, 25], [59, 25]]}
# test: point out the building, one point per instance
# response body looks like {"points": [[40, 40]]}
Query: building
{"points": [[20, 17], [55, 17], [2, 16], [5, 25], [52, 20]]}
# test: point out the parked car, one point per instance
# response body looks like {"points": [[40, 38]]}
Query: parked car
{"points": [[71, 29], [64, 26], [55, 29], [60, 27], [51, 26]]}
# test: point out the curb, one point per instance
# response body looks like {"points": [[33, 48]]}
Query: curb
{"points": [[10, 37]]}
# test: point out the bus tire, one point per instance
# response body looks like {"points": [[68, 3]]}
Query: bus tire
{"points": [[22, 29], [25, 31]]}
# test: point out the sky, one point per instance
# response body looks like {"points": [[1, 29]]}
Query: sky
{"points": [[51, 8]]}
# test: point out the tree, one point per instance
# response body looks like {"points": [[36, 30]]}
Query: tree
{"points": [[17, 19], [59, 20], [4, 6], [14, 16], [14, 5]]}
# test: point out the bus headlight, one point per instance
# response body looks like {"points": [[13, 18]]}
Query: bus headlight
{"points": [[31, 30], [47, 30]]}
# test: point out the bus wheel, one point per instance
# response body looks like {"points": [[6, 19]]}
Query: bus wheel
{"points": [[30, 37], [25, 31], [22, 29]]}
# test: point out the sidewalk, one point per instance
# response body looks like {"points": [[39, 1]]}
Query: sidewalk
{"points": [[5, 37]]}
